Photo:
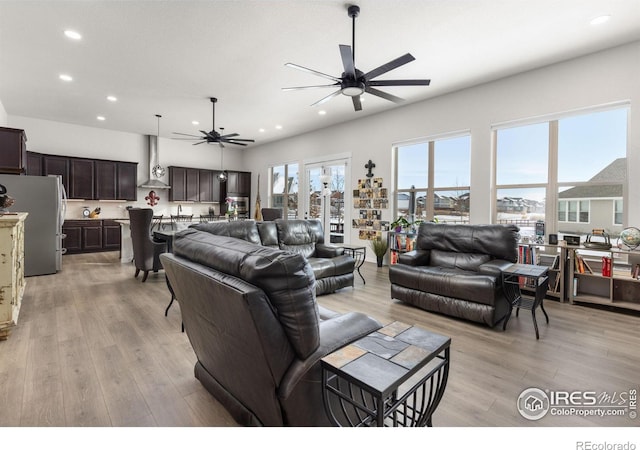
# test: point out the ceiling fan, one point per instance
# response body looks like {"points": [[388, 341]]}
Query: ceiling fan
{"points": [[213, 136], [354, 82]]}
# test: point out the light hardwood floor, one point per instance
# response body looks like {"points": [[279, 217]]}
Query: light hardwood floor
{"points": [[93, 348]]}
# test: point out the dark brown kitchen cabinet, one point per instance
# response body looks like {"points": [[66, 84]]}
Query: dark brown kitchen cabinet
{"points": [[127, 185], [81, 180], [110, 235], [106, 179], [238, 184], [34, 164], [185, 184], [205, 193], [13, 151], [91, 235], [56, 165]]}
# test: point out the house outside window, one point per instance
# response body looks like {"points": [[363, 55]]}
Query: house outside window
{"points": [[572, 168], [573, 211]]}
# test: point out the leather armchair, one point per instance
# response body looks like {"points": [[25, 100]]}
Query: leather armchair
{"points": [[251, 315], [457, 270], [146, 251], [270, 214]]}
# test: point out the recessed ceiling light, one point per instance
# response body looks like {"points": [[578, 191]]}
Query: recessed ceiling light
{"points": [[322, 112], [278, 127], [195, 122], [600, 20], [72, 35], [261, 130], [111, 98], [65, 77], [101, 118]]}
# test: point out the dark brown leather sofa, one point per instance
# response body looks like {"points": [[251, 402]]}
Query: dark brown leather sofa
{"points": [[251, 315], [333, 269], [457, 270]]}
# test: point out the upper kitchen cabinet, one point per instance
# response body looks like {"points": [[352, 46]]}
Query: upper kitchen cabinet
{"points": [[116, 180], [185, 184], [81, 179], [56, 165], [239, 184], [106, 179], [34, 164], [13, 151], [127, 185]]}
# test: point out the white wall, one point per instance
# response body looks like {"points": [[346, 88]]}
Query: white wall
{"points": [[57, 138], [597, 79], [3, 116]]}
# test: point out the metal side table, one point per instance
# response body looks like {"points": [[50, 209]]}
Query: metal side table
{"points": [[525, 277], [395, 376], [359, 253]]}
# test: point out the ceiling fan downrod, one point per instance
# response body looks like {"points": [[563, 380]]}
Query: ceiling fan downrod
{"points": [[353, 12]]}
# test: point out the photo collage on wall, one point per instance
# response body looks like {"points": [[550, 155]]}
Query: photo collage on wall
{"points": [[370, 198]]}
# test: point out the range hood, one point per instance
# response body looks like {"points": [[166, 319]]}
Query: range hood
{"points": [[155, 169]]}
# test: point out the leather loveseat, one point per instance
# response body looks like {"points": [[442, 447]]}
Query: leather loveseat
{"points": [[332, 268], [251, 315], [457, 270]]}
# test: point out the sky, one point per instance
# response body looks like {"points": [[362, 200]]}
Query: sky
{"points": [[586, 144]]}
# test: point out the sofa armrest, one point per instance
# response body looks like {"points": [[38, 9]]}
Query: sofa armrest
{"points": [[335, 333], [415, 258], [494, 267], [328, 251]]}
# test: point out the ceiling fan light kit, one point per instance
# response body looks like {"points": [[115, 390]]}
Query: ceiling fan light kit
{"points": [[353, 82]]}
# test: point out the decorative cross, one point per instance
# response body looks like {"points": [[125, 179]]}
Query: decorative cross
{"points": [[370, 165]]}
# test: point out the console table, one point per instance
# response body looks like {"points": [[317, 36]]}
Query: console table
{"points": [[525, 276], [395, 376]]}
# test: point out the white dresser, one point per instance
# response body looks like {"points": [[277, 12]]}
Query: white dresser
{"points": [[11, 270]]}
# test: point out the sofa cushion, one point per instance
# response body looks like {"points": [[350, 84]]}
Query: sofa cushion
{"points": [[447, 282], [499, 241], [299, 236], [330, 267], [286, 278], [268, 234], [245, 230], [454, 260]]}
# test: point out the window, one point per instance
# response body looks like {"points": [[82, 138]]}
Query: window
{"points": [[284, 189], [433, 179], [573, 169], [617, 212], [573, 211]]}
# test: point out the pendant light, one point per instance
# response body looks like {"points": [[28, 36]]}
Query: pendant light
{"points": [[222, 176]]}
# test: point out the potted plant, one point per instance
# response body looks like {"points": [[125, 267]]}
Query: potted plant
{"points": [[399, 224], [380, 248]]}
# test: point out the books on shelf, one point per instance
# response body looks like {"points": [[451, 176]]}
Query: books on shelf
{"points": [[582, 266], [606, 266]]}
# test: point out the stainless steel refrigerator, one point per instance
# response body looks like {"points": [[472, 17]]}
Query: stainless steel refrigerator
{"points": [[44, 198]]}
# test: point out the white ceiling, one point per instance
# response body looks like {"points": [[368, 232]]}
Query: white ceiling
{"points": [[169, 57]]}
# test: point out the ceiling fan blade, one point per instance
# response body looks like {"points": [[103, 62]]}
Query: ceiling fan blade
{"points": [[356, 103], [384, 95], [296, 88], [230, 135], [347, 60], [400, 83], [189, 139], [239, 140], [201, 142], [315, 72], [184, 134], [236, 143], [404, 59], [327, 98]]}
